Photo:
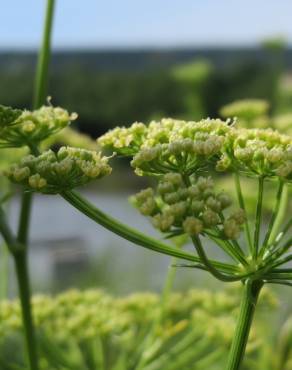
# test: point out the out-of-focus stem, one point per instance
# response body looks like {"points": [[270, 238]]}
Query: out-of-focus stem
{"points": [[244, 322]]}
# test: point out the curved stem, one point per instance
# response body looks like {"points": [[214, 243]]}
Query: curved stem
{"points": [[129, 233], [242, 205], [244, 322], [227, 248], [258, 217], [211, 268]]}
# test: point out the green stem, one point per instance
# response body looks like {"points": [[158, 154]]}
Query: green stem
{"points": [[280, 214], [24, 221], [244, 322], [129, 233], [258, 217], [22, 274], [211, 268], [41, 80], [268, 238], [242, 205], [4, 272]]}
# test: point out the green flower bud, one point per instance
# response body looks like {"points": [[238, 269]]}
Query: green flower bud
{"points": [[192, 226], [231, 229], [213, 204], [178, 210], [165, 187], [275, 155], [148, 207], [223, 164], [176, 147], [173, 178], [285, 169], [171, 198], [239, 216], [163, 221], [210, 218], [20, 174], [183, 193], [194, 191], [197, 206], [205, 183], [36, 182], [224, 200]]}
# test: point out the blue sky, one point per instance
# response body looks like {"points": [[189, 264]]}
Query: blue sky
{"points": [[142, 23]]}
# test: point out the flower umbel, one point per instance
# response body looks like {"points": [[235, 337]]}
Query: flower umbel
{"points": [[195, 209], [52, 173], [30, 128], [258, 152]]}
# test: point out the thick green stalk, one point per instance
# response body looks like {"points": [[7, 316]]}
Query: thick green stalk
{"points": [[20, 258], [24, 296], [244, 322], [129, 233], [41, 81]]}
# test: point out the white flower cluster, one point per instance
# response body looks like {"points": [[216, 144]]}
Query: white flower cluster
{"points": [[194, 209], [30, 128], [55, 172]]}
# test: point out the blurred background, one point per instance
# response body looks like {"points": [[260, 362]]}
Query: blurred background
{"points": [[119, 62]]}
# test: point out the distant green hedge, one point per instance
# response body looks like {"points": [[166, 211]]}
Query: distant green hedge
{"points": [[107, 99]]}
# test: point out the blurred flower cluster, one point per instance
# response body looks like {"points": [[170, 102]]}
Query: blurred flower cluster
{"points": [[76, 325]]}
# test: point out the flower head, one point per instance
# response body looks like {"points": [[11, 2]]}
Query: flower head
{"points": [[55, 172], [168, 145], [258, 152], [30, 128], [195, 209]]}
